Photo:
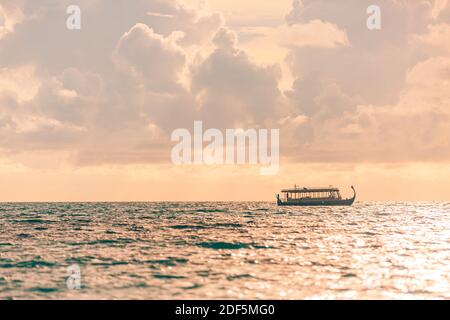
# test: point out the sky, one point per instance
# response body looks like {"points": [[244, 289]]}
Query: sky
{"points": [[87, 115]]}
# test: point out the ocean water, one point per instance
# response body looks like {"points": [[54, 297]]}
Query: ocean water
{"points": [[251, 250]]}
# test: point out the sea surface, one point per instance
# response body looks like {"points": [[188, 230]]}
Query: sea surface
{"points": [[227, 250]]}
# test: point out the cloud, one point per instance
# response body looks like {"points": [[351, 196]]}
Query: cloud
{"points": [[232, 89], [438, 7], [315, 33], [428, 86], [361, 67], [112, 92], [96, 107], [10, 16], [415, 128], [313, 96], [20, 82], [160, 15], [382, 98], [436, 38], [250, 13], [194, 19], [155, 60]]}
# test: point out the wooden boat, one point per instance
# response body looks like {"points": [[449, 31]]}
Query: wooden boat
{"points": [[314, 197]]}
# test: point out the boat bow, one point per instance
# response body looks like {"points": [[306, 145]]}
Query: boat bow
{"points": [[354, 193]]}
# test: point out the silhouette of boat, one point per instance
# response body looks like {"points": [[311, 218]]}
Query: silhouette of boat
{"points": [[314, 197]]}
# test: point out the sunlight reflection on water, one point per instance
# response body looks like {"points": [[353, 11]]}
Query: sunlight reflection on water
{"points": [[251, 250]]}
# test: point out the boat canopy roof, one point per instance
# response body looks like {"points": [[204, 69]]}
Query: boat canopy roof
{"points": [[302, 190]]}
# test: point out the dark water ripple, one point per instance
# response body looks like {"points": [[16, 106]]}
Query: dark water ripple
{"points": [[225, 250]]}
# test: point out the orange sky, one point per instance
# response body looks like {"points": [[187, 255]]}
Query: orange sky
{"points": [[86, 115]]}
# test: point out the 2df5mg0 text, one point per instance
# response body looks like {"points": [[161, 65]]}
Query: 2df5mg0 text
{"points": [[226, 309]]}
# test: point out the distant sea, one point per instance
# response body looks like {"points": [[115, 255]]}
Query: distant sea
{"points": [[247, 250]]}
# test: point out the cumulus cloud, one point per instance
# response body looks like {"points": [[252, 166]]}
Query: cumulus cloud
{"points": [[155, 60], [361, 68], [232, 90], [415, 128], [103, 100], [113, 91], [384, 97]]}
